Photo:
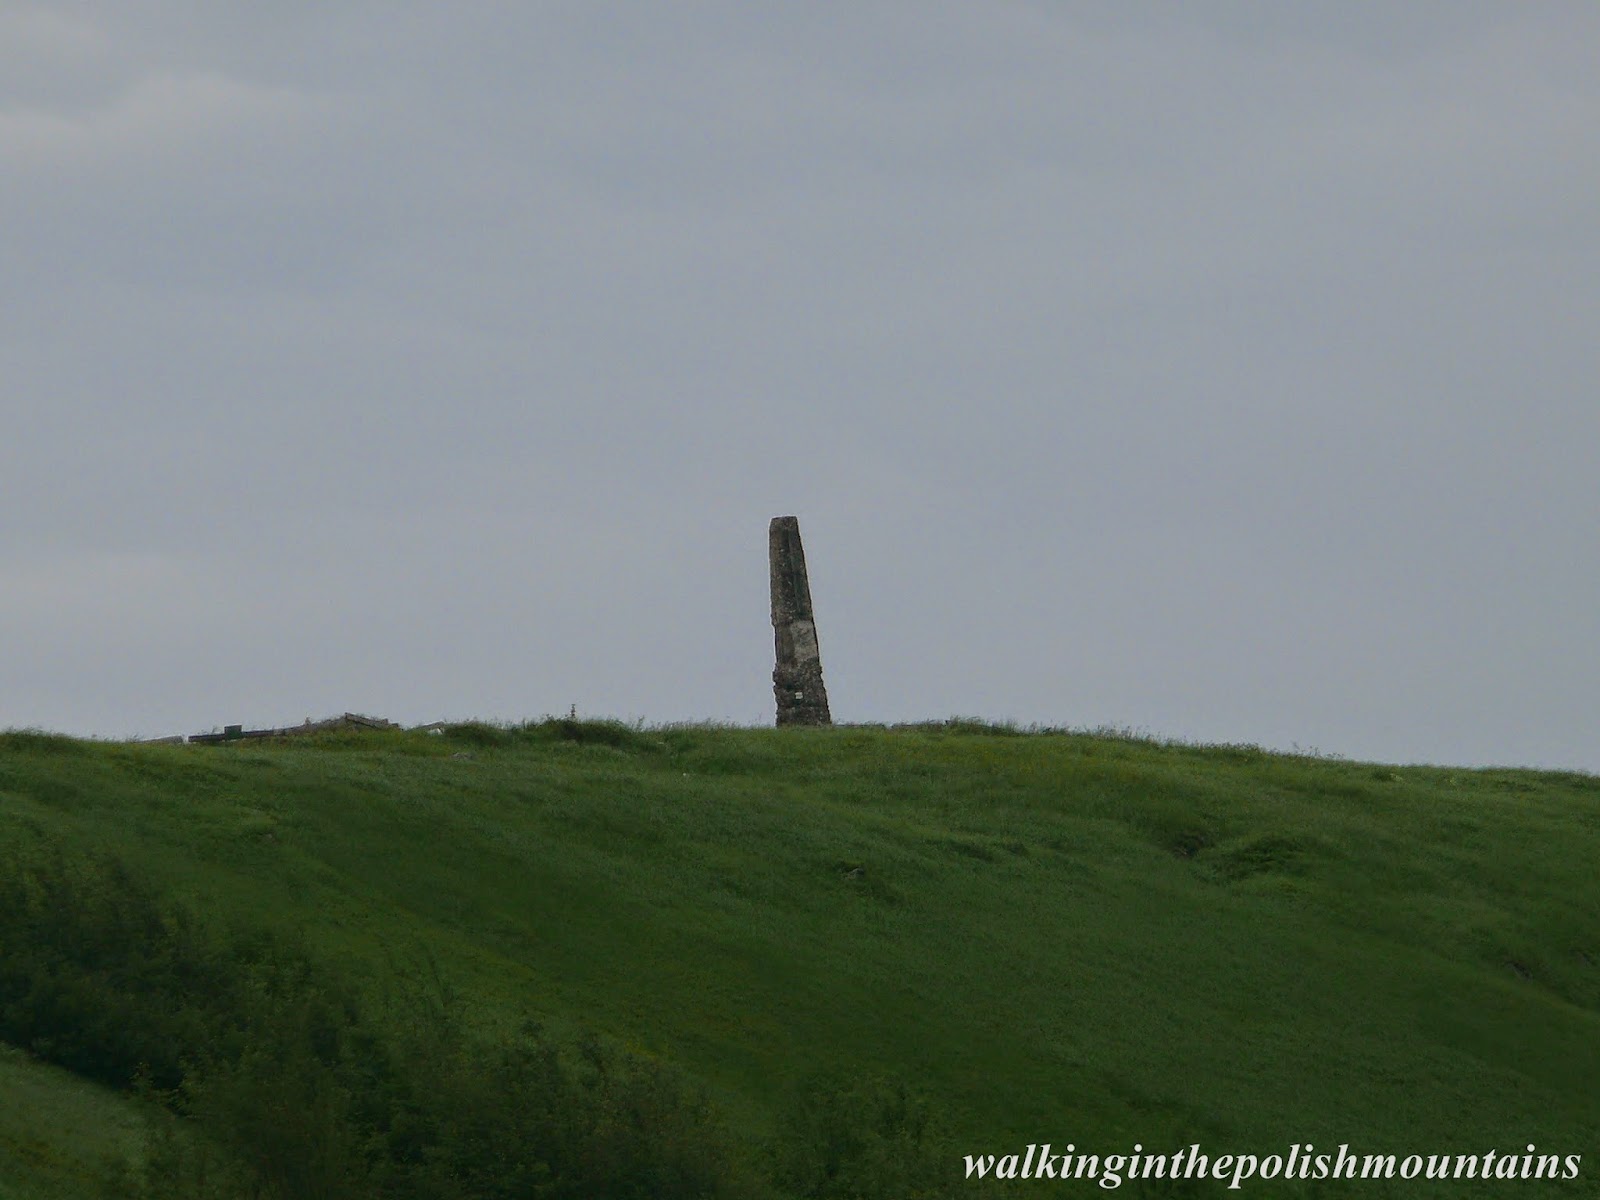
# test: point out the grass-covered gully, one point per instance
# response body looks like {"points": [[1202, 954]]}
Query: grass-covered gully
{"points": [[582, 959]]}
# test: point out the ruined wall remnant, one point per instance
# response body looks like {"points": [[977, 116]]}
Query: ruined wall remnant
{"points": [[797, 678], [349, 723]]}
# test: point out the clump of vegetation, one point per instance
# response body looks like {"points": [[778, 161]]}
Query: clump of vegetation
{"points": [[280, 1085], [100, 976], [570, 730], [866, 1136]]}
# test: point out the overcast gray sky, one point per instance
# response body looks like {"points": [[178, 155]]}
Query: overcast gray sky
{"points": [[1222, 370]]}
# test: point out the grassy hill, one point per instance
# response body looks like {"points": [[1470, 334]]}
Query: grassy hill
{"points": [[1049, 937]]}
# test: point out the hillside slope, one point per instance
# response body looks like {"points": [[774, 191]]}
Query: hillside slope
{"points": [[57, 1132], [1056, 937]]}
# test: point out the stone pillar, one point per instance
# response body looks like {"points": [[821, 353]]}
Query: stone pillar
{"points": [[797, 678]]}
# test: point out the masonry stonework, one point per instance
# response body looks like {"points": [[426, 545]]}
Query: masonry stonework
{"points": [[797, 678]]}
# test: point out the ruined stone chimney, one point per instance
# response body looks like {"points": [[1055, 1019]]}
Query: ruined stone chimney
{"points": [[797, 678]]}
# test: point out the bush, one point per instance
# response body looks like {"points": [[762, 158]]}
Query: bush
{"points": [[282, 1088], [99, 976], [851, 1140]]}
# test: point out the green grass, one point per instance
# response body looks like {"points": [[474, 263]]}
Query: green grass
{"points": [[1057, 937], [57, 1131]]}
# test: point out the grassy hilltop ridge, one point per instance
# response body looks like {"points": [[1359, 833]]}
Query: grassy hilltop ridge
{"points": [[1053, 937]]}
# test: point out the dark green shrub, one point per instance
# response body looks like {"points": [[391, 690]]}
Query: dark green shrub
{"points": [[862, 1140], [99, 976], [287, 1090], [615, 734]]}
